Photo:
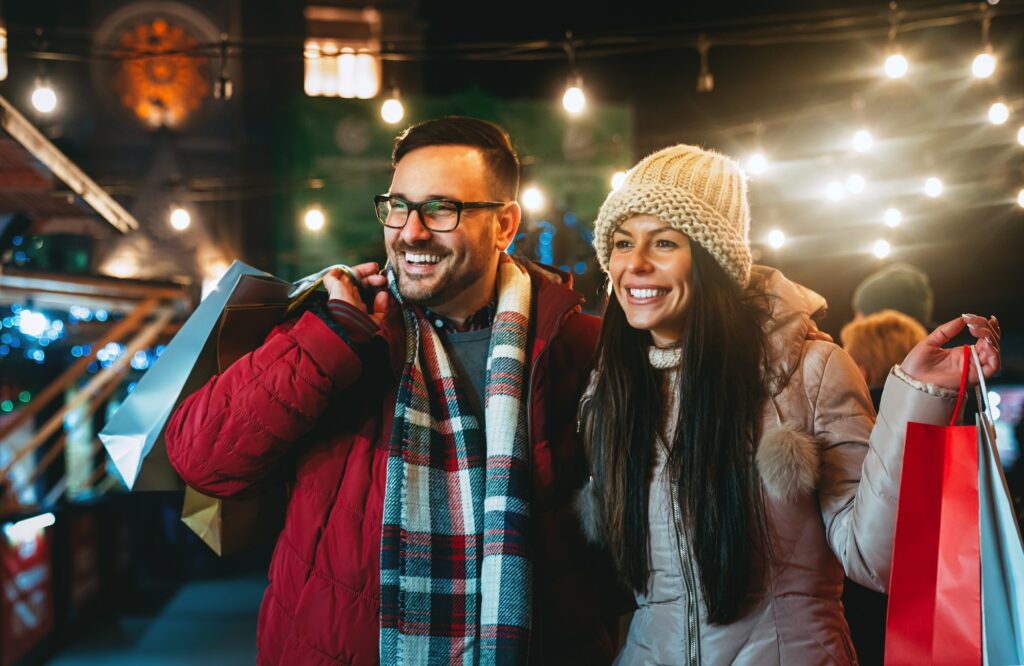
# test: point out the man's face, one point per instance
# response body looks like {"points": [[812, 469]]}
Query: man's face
{"points": [[436, 268]]}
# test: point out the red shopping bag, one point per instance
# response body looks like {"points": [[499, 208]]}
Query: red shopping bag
{"points": [[934, 614]]}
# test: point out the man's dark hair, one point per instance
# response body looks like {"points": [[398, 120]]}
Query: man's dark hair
{"points": [[489, 138]]}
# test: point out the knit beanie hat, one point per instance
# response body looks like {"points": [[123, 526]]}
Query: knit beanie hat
{"points": [[899, 287], [699, 192]]}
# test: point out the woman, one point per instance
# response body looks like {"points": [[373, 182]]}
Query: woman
{"points": [[736, 468]]}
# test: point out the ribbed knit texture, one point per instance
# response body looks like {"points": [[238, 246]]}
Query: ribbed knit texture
{"points": [[699, 192]]}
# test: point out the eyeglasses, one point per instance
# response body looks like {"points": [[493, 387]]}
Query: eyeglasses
{"points": [[435, 214]]}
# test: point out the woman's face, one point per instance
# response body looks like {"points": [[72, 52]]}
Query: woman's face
{"points": [[650, 268]]}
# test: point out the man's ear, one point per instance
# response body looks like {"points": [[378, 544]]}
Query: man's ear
{"points": [[508, 224]]}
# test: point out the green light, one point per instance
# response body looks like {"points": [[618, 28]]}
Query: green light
{"points": [[24, 396], [7, 406]]}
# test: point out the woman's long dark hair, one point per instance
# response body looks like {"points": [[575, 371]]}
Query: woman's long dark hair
{"points": [[721, 397]]}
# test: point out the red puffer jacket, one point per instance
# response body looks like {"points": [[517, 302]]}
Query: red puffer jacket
{"points": [[306, 408]]}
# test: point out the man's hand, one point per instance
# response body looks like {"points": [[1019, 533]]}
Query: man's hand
{"points": [[340, 286], [929, 362]]}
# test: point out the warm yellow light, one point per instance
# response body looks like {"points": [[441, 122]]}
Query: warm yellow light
{"points": [[776, 239], [882, 249], [855, 183], [533, 199], [180, 219], [984, 65], [1020, 198], [835, 191], [998, 113], [893, 217], [1020, 136], [862, 141], [44, 98], [933, 187], [574, 100], [757, 164], [896, 66], [314, 219], [392, 111], [618, 178]]}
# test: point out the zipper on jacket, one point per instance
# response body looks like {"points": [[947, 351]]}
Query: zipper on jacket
{"points": [[692, 609]]}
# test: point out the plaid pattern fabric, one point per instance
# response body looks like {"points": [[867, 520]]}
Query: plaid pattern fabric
{"points": [[456, 577]]}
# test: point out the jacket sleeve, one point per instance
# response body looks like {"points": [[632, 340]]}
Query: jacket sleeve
{"points": [[862, 460], [232, 433]]}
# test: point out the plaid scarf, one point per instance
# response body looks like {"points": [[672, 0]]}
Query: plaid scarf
{"points": [[456, 577]]}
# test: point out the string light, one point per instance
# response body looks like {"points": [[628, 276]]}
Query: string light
{"points": [[3, 52], [881, 249], [533, 199], [998, 113], [835, 191], [933, 187], [44, 98], [892, 217], [757, 164], [862, 141], [896, 64], [776, 239], [705, 80], [180, 218], [1020, 136], [984, 64], [392, 111], [1020, 198], [618, 178], [855, 183], [574, 100], [314, 219]]}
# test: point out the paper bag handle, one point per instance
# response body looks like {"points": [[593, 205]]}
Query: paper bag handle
{"points": [[963, 385]]}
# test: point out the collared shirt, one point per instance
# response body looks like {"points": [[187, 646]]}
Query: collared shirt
{"points": [[356, 326], [482, 318]]}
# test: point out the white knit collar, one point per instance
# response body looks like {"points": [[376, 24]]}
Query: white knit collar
{"points": [[663, 359]]}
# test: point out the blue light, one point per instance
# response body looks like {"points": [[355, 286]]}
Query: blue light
{"points": [[160, 350], [101, 315], [565, 268], [38, 355], [57, 325], [140, 361], [8, 322], [545, 237], [580, 268], [93, 367], [44, 342], [5, 338], [17, 241], [16, 343], [4, 350], [16, 308], [20, 257], [131, 387], [76, 351], [570, 219]]}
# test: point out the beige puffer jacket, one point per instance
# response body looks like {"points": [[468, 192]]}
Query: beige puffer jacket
{"points": [[831, 477]]}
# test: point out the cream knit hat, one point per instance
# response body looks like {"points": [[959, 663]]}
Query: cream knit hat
{"points": [[699, 192]]}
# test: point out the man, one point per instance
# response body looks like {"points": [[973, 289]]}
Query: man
{"points": [[900, 287], [427, 436]]}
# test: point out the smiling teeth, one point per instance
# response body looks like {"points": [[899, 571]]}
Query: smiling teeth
{"points": [[645, 293], [422, 258]]}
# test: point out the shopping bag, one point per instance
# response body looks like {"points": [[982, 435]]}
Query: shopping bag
{"points": [[1002, 550], [934, 613], [232, 320], [231, 525], [133, 436]]}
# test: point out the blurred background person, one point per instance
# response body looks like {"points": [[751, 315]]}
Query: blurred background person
{"points": [[900, 287]]}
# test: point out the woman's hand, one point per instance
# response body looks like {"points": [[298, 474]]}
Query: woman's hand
{"points": [[928, 362], [340, 286]]}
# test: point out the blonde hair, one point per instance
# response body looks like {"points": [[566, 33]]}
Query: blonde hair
{"points": [[880, 341]]}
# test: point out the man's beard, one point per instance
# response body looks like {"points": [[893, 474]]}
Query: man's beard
{"points": [[440, 288]]}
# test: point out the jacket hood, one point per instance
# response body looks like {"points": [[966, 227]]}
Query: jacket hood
{"points": [[792, 308]]}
